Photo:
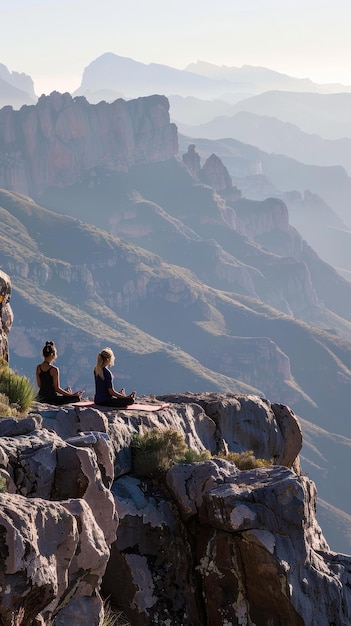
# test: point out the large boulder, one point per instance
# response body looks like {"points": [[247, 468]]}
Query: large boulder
{"points": [[57, 522], [223, 546], [246, 422], [50, 553]]}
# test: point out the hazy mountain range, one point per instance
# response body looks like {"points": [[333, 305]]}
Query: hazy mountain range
{"points": [[313, 113], [309, 191], [195, 285], [267, 133], [111, 76], [262, 79]]}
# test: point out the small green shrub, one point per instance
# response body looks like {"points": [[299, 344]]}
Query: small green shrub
{"points": [[156, 450], [245, 460], [18, 389], [3, 365], [3, 487], [192, 456], [110, 618], [113, 617], [5, 409], [155, 439]]}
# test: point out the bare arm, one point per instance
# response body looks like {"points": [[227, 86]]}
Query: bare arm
{"points": [[37, 376], [55, 374]]}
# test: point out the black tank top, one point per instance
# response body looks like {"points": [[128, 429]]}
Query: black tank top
{"points": [[47, 389]]}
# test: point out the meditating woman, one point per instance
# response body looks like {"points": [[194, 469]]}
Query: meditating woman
{"points": [[48, 380], [105, 394]]}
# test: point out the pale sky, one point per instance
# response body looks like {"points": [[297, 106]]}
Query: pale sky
{"points": [[54, 40]]}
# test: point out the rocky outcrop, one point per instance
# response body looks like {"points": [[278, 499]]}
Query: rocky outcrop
{"points": [[259, 217], [202, 543], [56, 141], [6, 314], [258, 549], [239, 418], [53, 557], [215, 174], [240, 525], [57, 522], [267, 224], [192, 160], [217, 545]]}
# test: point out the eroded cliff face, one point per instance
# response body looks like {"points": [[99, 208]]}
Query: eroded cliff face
{"points": [[267, 224], [53, 142], [57, 522], [204, 543], [6, 314], [63, 141]]}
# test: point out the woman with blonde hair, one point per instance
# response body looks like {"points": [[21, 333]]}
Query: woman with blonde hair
{"points": [[105, 394], [48, 380]]}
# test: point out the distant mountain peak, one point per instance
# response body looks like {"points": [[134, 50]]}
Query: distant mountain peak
{"points": [[15, 89], [258, 74]]}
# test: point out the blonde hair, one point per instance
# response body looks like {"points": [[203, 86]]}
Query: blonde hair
{"points": [[104, 357]]}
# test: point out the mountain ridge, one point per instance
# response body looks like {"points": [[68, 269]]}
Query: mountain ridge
{"points": [[89, 271], [254, 72], [273, 136], [132, 78]]}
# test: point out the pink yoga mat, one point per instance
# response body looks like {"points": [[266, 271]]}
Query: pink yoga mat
{"points": [[137, 406], [146, 407]]}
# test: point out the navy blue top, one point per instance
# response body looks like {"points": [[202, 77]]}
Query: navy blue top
{"points": [[102, 386]]}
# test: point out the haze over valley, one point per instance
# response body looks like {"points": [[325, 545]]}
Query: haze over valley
{"points": [[196, 218]]}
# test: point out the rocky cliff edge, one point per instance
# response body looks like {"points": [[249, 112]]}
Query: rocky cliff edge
{"points": [[6, 314], [206, 544]]}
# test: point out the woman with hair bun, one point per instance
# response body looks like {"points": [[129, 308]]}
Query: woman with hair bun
{"points": [[105, 395], [48, 380]]}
